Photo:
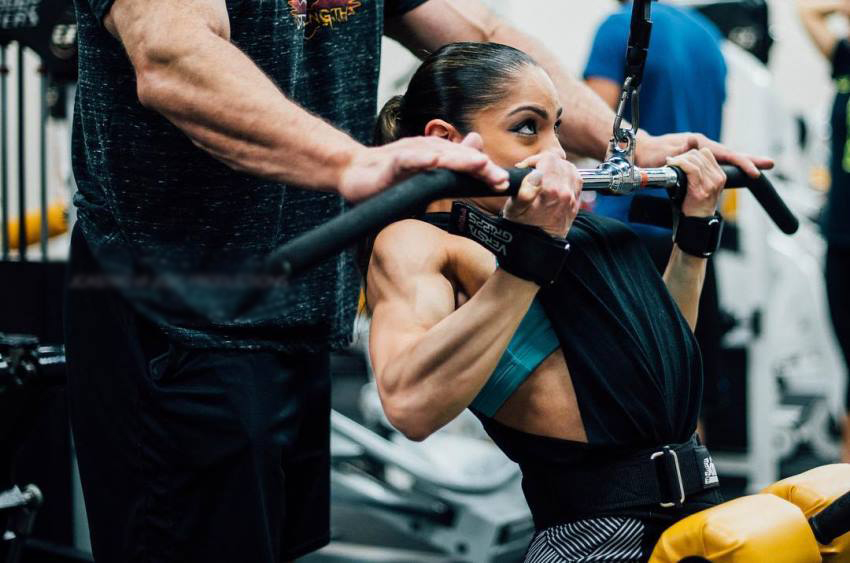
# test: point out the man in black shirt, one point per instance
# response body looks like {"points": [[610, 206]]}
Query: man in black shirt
{"points": [[203, 435]]}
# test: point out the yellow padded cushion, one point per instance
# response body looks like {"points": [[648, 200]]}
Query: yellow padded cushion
{"points": [[813, 491], [751, 529]]}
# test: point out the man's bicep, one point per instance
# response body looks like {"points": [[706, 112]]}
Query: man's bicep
{"points": [[438, 22], [606, 89], [136, 22]]}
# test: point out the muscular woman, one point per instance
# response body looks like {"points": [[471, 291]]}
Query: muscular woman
{"points": [[582, 367]]}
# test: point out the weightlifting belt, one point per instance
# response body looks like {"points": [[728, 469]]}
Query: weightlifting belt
{"points": [[662, 478]]}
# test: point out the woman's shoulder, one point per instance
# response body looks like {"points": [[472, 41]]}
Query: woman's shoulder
{"points": [[410, 244]]}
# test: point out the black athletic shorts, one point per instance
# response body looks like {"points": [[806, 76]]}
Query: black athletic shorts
{"points": [[192, 455]]}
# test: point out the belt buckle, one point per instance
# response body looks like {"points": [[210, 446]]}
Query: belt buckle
{"points": [[665, 451]]}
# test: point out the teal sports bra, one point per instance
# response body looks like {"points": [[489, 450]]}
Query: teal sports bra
{"points": [[533, 342]]}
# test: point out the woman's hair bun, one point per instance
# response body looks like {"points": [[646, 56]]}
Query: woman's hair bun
{"points": [[388, 127]]}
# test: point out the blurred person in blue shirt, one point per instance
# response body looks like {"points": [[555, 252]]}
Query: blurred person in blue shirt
{"points": [[684, 85]]}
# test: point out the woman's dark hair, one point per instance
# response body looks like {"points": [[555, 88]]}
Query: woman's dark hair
{"points": [[452, 84]]}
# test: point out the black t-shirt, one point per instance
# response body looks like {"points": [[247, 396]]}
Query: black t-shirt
{"points": [[174, 228], [837, 213]]}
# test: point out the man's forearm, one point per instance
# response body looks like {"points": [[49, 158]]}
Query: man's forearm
{"points": [[684, 278], [587, 122], [213, 92]]}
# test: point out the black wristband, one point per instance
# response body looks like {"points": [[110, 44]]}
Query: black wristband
{"points": [[522, 250], [699, 236]]}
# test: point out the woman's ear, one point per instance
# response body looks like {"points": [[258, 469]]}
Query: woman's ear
{"points": [[444, 130]]}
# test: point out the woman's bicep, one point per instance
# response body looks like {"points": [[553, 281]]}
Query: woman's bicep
{"points": [[407, 298]]}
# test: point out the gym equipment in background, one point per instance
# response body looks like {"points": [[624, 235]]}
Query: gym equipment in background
{"points": [[26, 371], [745, 23], [48, 29], [37, 71], [802, 519]]}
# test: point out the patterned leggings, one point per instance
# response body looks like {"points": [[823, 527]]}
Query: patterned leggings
{"points": [[588, 541]]}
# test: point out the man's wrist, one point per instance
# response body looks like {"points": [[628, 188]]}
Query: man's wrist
{"points": [[641, 139], [340, 160]]}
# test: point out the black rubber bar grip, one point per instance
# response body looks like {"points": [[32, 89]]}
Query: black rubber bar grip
{"points": [[403, 200], [414, 194], [760, 187], [766, 195], [833, 521]]}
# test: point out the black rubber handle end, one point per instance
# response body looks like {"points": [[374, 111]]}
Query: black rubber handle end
{"points": [[766, 195]]}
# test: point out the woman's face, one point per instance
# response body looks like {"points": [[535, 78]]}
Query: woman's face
{"points": [[524, 123]]}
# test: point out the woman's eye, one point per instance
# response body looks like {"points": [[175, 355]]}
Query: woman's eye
{"points": [[528, 127], [558, 126]]}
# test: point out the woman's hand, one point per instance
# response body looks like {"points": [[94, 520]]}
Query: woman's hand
{"points": [[705, 181], [549, 196]]}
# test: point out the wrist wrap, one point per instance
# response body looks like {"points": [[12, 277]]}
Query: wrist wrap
{"points": [[699, 236], [522, 250]]}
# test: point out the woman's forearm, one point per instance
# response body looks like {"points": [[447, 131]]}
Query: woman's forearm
{"points": [[435, 378], [189, 71], [684, 278]]}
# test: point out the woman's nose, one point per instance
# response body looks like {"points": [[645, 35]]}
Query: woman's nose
{"points": [[554, 145]]}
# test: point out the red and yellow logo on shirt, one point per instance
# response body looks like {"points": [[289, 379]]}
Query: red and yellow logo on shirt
{"points": [[313, 15]]}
